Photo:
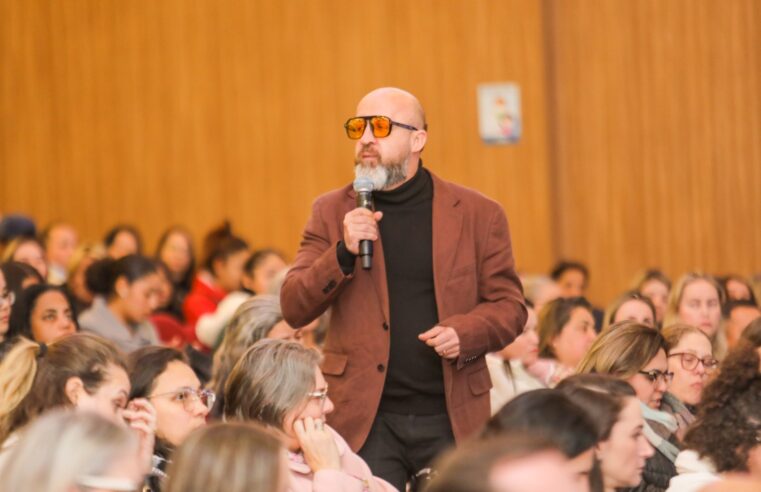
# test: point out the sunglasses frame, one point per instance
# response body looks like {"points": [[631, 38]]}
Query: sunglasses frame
{"points": [[368, 119]]}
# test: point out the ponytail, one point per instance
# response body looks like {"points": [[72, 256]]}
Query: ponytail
{"points": [[17, 374]]}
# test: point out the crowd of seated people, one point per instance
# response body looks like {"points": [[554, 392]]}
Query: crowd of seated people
{"points": [[177, 372]]}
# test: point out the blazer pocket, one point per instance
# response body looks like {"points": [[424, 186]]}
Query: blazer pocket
{"points": [[479, 381], [334, 364]]}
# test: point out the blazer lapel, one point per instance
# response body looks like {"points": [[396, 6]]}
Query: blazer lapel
{"points": [[447, 226]]}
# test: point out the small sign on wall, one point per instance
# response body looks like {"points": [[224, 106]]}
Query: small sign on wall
{"points": [[499, 113]]}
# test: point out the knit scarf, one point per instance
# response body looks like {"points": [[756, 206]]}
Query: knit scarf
{"points": [[659, 427]]}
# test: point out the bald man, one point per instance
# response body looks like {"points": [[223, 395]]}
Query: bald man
{"points": [[404, 353]]}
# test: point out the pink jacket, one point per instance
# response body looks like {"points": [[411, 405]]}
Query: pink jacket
{"points": [[354, 475]]}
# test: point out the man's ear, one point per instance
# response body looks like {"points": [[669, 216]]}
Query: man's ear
{"points": [[419, 140], [74, 388]]}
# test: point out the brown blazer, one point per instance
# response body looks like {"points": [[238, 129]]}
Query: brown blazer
{"points": [[477, 293]]}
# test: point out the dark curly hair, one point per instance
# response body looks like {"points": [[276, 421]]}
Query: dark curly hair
{"points": [[728, 424]]}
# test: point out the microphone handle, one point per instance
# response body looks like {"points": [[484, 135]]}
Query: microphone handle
{"points": [[365, 200]]}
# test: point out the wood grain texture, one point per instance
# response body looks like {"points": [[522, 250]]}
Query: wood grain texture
{"points": [[189, 112], [657, 136]]}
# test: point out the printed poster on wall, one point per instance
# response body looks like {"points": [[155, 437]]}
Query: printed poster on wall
{"points": [[499, 113]]}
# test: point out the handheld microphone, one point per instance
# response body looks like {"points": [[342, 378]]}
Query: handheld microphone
{"points": [[364, 189]]}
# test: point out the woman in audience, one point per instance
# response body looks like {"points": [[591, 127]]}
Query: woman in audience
{"points": [[164, 377], [726, 436], [280, 384], [43, 313], [630, 306], [66, 451], [636, 353], [81, 371], [76, 279], [507, 367], [27, 250], [690, 358], [128, 291], [175, 250], [258, 318], [566, 331], [738, 288], [696, 300], [7, 298], [123, 240], [549, 414], [19, 276], [656, 286], [622, 448], [752, 334], [246, 458], [221, 272], [258, 273], [60, 242]]}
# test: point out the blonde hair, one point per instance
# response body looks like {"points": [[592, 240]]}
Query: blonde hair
{"points": [[673, 334], [62, 447], [671, 317], [622, 349], [229, 457], [33, 376]]}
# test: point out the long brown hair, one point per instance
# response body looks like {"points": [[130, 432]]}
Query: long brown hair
{"points": [[33, 376]]}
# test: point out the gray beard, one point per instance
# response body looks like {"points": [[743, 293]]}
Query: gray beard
{"points": [[382, 176]]}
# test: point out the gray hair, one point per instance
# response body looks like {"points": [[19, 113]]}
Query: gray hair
{"points": [[272, 378], [252, 322], [64, 446]]}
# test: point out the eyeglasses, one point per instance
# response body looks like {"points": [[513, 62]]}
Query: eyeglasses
{"points": [[381, 125], [321, 395], [188, 397], [111, 484], [690, 361], [657, 375], [7, 298]]}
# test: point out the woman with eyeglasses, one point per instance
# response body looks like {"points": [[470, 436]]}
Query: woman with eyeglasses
{"points": [[636, 353], [690, 358], [66, 451], [279, 384], [164, 377], [726, 436]]}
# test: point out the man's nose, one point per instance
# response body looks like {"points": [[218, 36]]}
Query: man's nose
{"points": [[367, 135]]}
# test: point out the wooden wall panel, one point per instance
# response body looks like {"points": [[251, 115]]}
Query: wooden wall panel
{"points": [[175, 111], [657, 135]]}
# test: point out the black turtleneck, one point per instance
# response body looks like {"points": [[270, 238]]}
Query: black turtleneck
{"points": [[414, 382]]}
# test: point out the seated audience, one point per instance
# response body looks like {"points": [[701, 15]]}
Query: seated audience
{"points": [[7, 298], [630, 306], [279, 384], [752, 334], [514, 463], [128, 292], [738, 288], [636, 353], [246, 458], [27, 250], [507, 367], [175, 250], [19, 276], [566, 331], [76, 279], [726, 435], [258, 318], [259, 270], [164, 377], [656, 286], [573, 279], [221, 270], [81, 371], [737, 316], [550, 415], [696, 300], [43, 313], [122, 240], [690, 359], [67, 451], [622, 448], [59, 241]]}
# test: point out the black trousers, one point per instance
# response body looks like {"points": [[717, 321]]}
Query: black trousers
{"points": [[399, 446]]}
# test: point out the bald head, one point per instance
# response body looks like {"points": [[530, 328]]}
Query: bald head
{"points": [[396, 103]]}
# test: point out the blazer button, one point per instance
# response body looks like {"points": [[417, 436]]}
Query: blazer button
{"points": [[381, 367], [385, 326]]}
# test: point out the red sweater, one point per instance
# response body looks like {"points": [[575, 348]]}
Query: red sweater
{"points": [[202, 299]]}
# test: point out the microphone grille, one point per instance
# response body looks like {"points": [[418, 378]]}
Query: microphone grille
{"points": [[363, 184]]}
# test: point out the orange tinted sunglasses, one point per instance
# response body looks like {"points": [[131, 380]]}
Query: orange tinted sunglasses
{"points": [[381, 126]]}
